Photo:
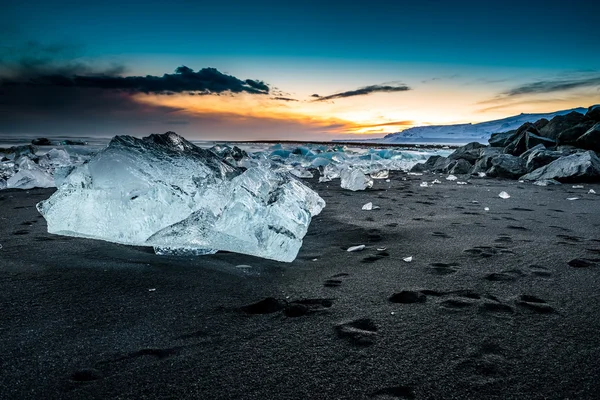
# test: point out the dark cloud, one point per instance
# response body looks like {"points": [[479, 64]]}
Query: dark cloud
{"points": [[284, 98], [365, 91], [205, 81], [550, 86]]}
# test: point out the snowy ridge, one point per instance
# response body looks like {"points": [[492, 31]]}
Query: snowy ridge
{"points": [[464, 133]]}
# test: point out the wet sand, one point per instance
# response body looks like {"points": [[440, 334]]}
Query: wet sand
{"points": [[498, 304]]}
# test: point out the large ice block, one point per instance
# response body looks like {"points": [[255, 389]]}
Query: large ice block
{"points": [[165, 192]]}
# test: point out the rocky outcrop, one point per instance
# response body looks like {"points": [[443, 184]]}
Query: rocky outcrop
{"points": [[594, 113], [532, 152], [570, 135], [502, 139], [469, 152], [579, 167], [561, 123], [41, 142], [591, 139]]}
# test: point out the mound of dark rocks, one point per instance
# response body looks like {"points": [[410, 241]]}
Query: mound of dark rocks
{"points": [[566, 149]]}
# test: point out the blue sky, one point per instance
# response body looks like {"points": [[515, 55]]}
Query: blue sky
{"points": [[466, 52]]}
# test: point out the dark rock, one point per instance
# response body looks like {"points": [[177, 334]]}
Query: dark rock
{"points": [[420, 167], [593, 113], [527, 127], [570, 136], [540, 123], [41, 142], [461, 167], [540, 157], [525, 141], [469, 152], [591, 139], [579, 167], [502, 139], [485, 159], [442, 164], [561, 123], [531, 150], [507, 166]]}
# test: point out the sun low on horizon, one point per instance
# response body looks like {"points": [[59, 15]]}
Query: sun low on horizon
{"points": [[268, 70]]}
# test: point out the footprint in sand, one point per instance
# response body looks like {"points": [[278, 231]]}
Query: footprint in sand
{"points": [[506, 276], [121, 362], [359, 332], [534, 303], [334, 280], [483, 365], [408, 297], [583, 263], [443, 268], [375, 257], [441, 235]]}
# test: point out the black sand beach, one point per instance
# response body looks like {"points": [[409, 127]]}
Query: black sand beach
{"points": [[492, 306]]}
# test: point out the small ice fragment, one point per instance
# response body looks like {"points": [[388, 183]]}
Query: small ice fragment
{"points": [[393, 313], [572, 198], [424, 184], [504, 195], [152, 290], [577, 186], [451, 178], [407, 259], [356, 248], [415, 173], [592, 191], [383, 174], [387, 180], [0, 247], [315, 259], [381, 248], [461, 183], [481, 174], [521, 181], [486, 209], [368, 206], [436, 181], [403, 179], [243, 266]]}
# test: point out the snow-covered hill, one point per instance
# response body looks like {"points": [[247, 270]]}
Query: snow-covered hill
{"points": [[464, 133]]}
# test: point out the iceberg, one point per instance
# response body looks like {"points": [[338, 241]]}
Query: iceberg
{"points": [[165, 192]]}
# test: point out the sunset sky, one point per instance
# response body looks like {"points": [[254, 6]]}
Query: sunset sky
{"points": [[311, 70]]}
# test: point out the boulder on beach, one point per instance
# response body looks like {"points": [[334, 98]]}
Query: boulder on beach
{"points": [[579, 167], [507, 166], [590, 140]]}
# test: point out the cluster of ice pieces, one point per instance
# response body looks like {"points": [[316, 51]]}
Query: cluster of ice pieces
{"points": [[356, 167], [23, 167], [165, 192]]}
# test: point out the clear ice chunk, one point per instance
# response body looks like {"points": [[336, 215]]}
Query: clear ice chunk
{"points": [[165, 192], [354, 179], [504, 195]]}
